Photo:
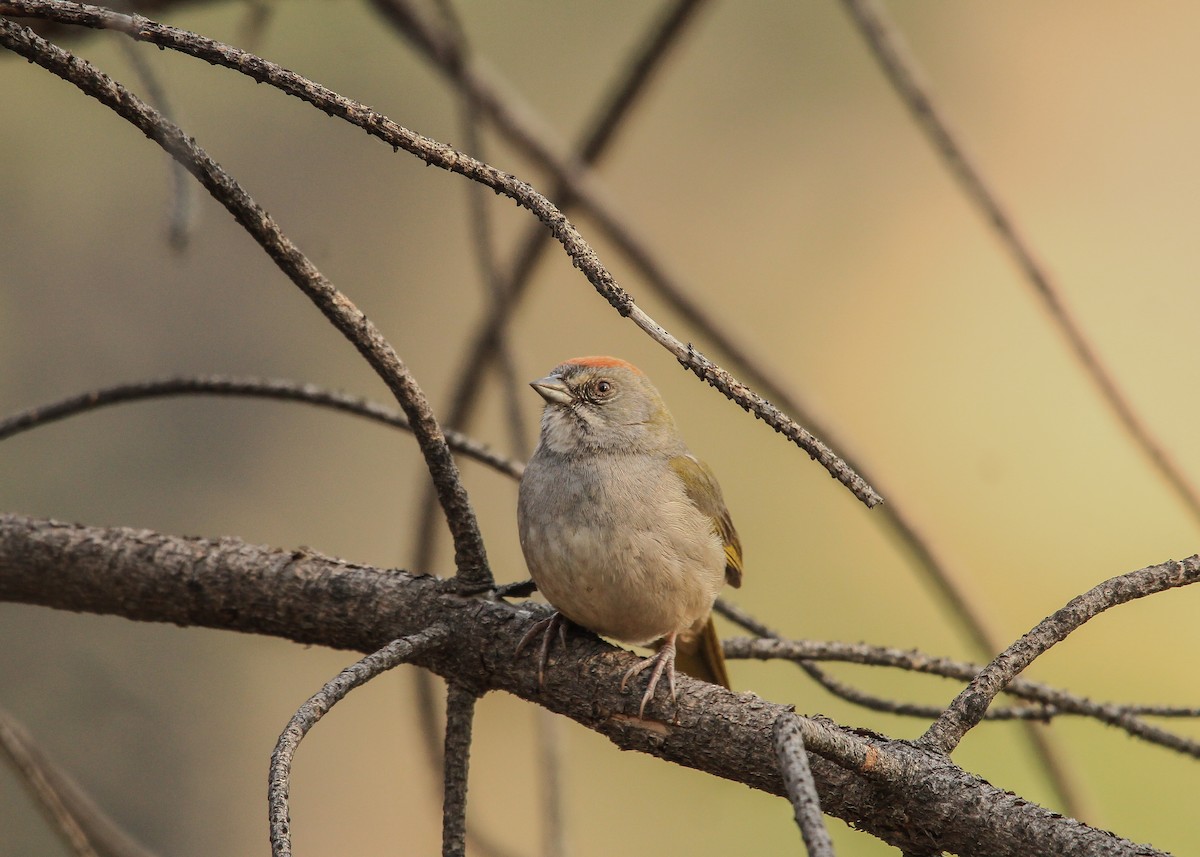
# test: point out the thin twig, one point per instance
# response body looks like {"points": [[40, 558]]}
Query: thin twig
{"points": [[1037, 713], [279, 782], [801, 788], [968, 707], [445, 157], [460, 714], [429, 725], [470, 555], [471, 121], [549, 741], [517, 122], [426, 529], [887, 46], [183, 198], [839, 689], [83, 826], [254, 388], [1047, 702]]}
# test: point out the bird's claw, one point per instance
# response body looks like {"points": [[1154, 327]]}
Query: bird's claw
{"points": [[662, 661], [546, 628]]}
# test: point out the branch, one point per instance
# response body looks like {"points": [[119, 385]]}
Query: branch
{"points": [[1049, 701], [908, 796], [334, 691], [969, 706], [253, 388], [460, 716], [802, 790], [470, 556], [84, 827], [887, 47], [430, 151]]}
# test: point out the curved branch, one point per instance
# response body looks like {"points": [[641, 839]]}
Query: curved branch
{"points": [[431, 152], [252, 388], [910, 797], [470, 556], [397, 652], [969, 706], [1048, 702]]}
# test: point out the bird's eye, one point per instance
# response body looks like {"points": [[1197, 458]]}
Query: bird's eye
{"points": [[603, 387]]}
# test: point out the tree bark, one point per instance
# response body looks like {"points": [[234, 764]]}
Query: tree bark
{"points": [[916, 800]]}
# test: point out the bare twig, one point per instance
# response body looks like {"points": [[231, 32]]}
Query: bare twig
{"points": [[470, 556], [429, 724], [888, 48], [392, 655], [1037, 713], [801, 789], [844, 691], [460, 714], [471, 120], [1045, 752], [183, 202], [426, 529], [253, 388], [83, 826], [969, 706], [1047, 702], [516, 123], [445, 157], [549, 740], [512, 118]]}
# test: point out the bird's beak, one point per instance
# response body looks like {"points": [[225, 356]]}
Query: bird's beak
{"points": [[553, 390]]}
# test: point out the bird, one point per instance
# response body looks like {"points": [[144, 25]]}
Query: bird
{"points": [[624, 530]]}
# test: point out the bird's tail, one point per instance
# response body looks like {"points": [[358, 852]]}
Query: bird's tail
{"points": [[698, 653]]}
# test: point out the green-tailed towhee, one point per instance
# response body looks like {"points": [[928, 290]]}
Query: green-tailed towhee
{"points": [[624, 530]]}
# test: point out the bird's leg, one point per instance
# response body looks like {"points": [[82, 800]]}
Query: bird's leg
{"points": [[663, 659], [546, 628]]}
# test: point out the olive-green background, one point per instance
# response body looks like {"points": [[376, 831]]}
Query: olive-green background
{"points": [[772, 168]]}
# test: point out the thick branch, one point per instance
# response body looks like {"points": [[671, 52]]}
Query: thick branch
{"points": [[911, 798]]}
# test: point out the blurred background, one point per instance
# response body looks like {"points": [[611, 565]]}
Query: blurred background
{"points": [[774, 171]]}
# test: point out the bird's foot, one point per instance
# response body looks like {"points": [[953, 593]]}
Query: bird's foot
{"points": [[545, 627], [662, 661]]}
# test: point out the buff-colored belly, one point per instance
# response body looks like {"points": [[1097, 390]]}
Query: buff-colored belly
{"points": [[636, 579]]}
